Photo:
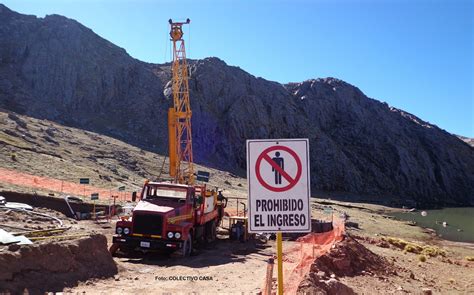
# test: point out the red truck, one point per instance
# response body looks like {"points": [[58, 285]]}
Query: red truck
{"points": [[170, 217]]}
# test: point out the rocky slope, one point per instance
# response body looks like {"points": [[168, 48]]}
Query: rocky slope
{"points": [[55, 68], [468, 140], [47, 149]]}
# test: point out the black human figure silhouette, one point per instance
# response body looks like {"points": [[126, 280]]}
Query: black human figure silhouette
{"points": [[281, 163]]}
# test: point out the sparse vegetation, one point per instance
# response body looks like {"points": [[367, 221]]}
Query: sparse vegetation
{"points": [[50, 132], [12, 141], [399, 243], [433, 251], [430, 251], [422, 258], [413, 248], [75, 156], [18, 121], [469, 258]]}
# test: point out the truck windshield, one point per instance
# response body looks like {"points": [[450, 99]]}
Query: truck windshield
{"points": [[160, 192]]}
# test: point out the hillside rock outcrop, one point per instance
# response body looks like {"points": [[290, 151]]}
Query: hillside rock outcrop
{"points": [[55, 68]]}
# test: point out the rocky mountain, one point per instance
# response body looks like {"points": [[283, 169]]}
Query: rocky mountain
{"points": [[54, 68], [468, 140]]}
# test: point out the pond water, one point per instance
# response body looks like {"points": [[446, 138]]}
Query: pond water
{"points": [[459, 222]]}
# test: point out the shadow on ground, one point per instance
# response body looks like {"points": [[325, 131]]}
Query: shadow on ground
{"points": [[222, 251]]}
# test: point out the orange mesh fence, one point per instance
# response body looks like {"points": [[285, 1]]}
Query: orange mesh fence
{"points": [[297, 259], [57, 185]]}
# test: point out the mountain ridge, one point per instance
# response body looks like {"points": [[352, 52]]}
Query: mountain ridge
{"points": [[55, 68]]}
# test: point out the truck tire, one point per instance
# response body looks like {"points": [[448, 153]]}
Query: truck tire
{"points": [[211, 231], [187, 248], [113, 249], [200, 234]]}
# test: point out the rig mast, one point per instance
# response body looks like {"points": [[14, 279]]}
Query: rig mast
{"points": [[179, 116]]}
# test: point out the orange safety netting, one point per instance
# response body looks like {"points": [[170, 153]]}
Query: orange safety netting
{"points": [[57, 185], [297, 259]]}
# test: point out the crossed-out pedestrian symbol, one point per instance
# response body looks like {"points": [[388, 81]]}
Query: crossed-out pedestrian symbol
{"points": [[277, 163]]}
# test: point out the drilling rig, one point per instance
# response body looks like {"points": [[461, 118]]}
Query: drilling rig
{"points": [[173, 216]]}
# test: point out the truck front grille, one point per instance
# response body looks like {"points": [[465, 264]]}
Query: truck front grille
{"points": [[147, 224]]}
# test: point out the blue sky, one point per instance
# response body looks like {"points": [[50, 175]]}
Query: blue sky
{"points": [[416, 55]]}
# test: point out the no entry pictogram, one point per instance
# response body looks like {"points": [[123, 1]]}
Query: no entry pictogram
{"points": [[265, 157]]}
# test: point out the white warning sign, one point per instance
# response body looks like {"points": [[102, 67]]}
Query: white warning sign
{"points": [[279, 185]]}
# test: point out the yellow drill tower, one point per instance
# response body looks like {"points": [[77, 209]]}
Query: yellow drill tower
{"points": [[179, 116]]}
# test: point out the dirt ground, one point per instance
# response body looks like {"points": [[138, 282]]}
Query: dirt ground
{"points": [[233, 267], [441, 275], [367, 266], [217, 267], [224, 267]]}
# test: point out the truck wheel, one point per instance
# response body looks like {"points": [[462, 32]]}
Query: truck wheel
{"points": [[211, 231], [113, 249], [187, 247]]}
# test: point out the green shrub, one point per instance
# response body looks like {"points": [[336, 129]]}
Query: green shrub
{"points": [[431, 251], [413, 248], [399, 243], [422, 258]]}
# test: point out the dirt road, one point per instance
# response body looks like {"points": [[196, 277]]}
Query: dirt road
{"points": [[224, 267]]}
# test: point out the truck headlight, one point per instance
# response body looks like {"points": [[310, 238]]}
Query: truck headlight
{"points": [[126, 230], [170, 235], [119, 230], [177, 235]]}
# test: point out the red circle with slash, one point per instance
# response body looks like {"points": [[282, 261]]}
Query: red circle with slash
{"points": [[291, 181]]}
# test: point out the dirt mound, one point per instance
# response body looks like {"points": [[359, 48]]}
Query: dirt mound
{"points": [[51, 267], [350, 258], [319, 286], [347, 258]]}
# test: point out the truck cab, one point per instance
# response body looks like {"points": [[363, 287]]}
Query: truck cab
{"points": [[170, 217]]}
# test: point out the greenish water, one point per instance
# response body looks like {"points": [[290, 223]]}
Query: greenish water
{"points": [[459, 222]]}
